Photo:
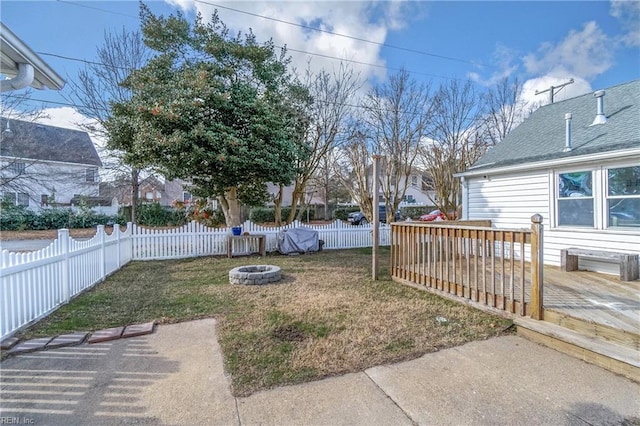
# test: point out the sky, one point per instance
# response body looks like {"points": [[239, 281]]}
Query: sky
{"points": [[542, 43]]}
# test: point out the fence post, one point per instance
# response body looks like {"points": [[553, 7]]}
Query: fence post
{"points": [[63, 236], [103, 252], [132, 231], [116, 234], [537, 266], [192, 233]]}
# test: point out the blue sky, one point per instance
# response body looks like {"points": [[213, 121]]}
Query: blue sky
{"points": [[542, 43]]}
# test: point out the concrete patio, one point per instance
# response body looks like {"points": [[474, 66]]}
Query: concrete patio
{"points": [[176, 376]]}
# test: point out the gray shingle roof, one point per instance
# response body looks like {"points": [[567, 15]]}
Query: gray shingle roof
{"points": [[41, 142], [542, 136]]}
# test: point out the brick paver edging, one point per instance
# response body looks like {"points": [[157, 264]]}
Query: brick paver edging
{"points": [[13, 345]]}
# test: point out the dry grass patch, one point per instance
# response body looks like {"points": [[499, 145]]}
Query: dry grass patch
{"points": [[325, 317]]}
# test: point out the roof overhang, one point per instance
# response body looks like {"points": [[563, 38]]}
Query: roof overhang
{"points": [[546, 164], [15, 52]]}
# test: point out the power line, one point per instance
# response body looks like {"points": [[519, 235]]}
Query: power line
{"points": [[323, 102], [54, 102], [84, 61], [99, 9], [296, 50], [306, 27]]}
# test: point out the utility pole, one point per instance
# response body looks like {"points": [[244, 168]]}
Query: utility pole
{"points": [[552, 89], [376, 218]]}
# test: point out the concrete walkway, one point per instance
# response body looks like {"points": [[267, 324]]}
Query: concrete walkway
{"points": [[175, 377]]}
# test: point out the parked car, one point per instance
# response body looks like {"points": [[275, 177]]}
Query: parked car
{"points": [[435, 215], [358, 218]]}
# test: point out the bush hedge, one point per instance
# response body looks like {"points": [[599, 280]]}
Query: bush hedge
{"points": [[20, 218], [341, 213], [268, 215]]}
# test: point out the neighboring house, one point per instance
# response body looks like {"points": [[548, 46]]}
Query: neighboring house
{"points": [[418, 191], [150, 190], [585, 182], [23, 67], [41, 165]]}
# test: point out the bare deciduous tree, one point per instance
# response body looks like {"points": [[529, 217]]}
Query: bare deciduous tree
{"points": [[455, 141], [352, 168], [330, 94], [99, 84], [397, 114], [505, 109]]}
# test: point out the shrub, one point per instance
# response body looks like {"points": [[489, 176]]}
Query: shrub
{"points": [[342, 213], [15, 218], [262, 215], [53, 218], [202, 213], [156, 215], [267, 214]]}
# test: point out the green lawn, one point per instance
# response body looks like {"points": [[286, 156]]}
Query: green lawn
{"points": [[325, 317]]}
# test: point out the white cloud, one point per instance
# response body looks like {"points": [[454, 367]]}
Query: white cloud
{"points": [[628, 13], [579, 87], [505, 61], [358, 19], [582, 54]]}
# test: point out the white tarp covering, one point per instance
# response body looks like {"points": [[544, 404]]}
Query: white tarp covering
{"points": [[298, 240]]}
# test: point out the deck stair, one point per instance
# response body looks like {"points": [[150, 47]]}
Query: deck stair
{"points": [[611, 348]]}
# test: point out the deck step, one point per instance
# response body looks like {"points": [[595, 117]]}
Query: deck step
{"points": [[592, 349], [594, 329]]}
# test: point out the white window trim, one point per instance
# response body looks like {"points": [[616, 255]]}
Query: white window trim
{"points": [[600, 188], [606, 198]]}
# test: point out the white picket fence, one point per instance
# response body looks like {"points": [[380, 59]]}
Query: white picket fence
{"points": [[36, 283]]}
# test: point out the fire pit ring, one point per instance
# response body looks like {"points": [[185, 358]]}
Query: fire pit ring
{"points": [[255, 274]]}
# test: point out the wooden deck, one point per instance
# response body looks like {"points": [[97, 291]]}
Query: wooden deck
{"points": [[596, 298]]}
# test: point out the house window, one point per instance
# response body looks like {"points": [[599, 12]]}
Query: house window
{"points": [[149, 195], [575, 199], [186, 197], [623, 197], [91, 175], [44, 200], [409, 199], [23, 199], [414, 180], [16, 167]]}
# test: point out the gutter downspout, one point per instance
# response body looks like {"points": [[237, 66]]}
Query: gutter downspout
{"points": [[20, 81]]}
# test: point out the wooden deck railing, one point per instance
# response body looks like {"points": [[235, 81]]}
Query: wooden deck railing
{"points": [[500, 268]]}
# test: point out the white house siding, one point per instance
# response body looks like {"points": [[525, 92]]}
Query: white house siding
{"points": [[510, 201], [557, 239], [62, 180]]}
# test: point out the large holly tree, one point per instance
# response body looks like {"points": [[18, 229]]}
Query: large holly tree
{"points": [[220, 111]]}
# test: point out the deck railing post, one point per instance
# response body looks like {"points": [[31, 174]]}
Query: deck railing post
{"points": [[537, 264]]}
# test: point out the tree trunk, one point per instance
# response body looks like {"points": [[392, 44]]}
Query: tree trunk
{"points": [[296, 195], [135, 187], [277, 206], [231, 207]]}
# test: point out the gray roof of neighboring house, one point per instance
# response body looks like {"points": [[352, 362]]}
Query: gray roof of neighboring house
{"points": [[41, 142], [542, 135]]}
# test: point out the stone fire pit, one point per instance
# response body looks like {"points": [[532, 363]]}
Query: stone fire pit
{"points": [[255, 274]]}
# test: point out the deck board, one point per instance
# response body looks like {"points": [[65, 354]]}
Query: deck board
{"points": [[597, 298], [593, 297]]}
